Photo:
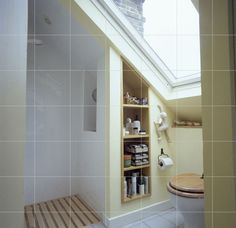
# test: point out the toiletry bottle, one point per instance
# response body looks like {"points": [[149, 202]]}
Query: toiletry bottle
{"points": [[129, 187], [128, 125], [136, 123], [145, 184], [125, 188], [134, 185], [141, 186]]}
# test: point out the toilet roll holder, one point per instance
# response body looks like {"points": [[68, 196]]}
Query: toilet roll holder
{"points": [[160, 155]]}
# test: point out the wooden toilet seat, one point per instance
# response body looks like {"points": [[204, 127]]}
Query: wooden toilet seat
{"points": [[188, 185]]}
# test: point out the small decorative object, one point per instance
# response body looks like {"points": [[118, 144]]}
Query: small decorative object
{"points": [[188, 123], [130, 99], [142, 132], [196, 124], [162, 125], [128, 125], [143, 101], [181, 123], [126, 97]]}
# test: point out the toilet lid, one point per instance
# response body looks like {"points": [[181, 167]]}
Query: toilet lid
{"points": [[188, 182]]}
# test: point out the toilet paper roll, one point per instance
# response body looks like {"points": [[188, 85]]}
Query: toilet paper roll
{"points": [[165, 163]]}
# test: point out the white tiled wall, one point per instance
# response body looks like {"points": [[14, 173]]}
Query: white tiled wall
{"points": [[64, 158]]}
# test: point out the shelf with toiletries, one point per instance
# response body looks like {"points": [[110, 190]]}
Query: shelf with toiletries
{"points": [[135, 137], [136, 184], [136, 122]]}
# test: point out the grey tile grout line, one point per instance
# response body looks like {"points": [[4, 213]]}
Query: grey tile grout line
{"points": [[34, 137], [70, 9], [99, 35], [177, 108], [212, 98], [106, 177], [103, 70]]}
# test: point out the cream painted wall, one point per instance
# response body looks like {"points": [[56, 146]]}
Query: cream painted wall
{"points": [[180, 149], [13, 46], [189, 150], [218, 118]]}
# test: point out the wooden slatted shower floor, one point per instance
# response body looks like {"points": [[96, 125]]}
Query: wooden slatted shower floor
{"points": [[65, 212]]}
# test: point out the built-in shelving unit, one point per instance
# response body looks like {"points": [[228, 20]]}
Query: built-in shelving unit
{"points": [[135, 86]]}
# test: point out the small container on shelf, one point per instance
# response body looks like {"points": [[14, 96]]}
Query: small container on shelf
{"points": [[145, 180], [127, 160], [135, 131]]}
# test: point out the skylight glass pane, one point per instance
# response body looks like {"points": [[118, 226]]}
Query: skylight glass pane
{"points": [[172, 30]]}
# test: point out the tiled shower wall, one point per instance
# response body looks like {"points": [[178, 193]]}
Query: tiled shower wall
{"points": [[61, 157]]}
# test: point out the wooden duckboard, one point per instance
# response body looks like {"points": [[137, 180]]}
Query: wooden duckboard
{"points": [[65, 212]]}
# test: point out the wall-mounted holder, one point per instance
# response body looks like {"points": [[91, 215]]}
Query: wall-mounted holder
{"points": [[164, 161], [162, 125], [161, 155]]}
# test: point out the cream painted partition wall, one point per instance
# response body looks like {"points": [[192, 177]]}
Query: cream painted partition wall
{"points": [[13, 46], [159, 179]]}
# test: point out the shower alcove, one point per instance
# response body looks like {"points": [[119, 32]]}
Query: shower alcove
{"points": [[65, 152]]}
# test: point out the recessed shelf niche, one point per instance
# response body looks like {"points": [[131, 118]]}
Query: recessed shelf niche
{"points": [[141, 161]]}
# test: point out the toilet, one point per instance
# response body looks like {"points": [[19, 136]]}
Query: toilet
{"points": [[187, 196]]}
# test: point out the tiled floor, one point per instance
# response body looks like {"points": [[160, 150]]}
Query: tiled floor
{"points": [[166, 219]]}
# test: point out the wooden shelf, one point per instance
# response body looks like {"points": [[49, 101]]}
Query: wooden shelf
{"points": [[135, 106], [186, 126], [127, 199], [135, 136], [136, 167]]}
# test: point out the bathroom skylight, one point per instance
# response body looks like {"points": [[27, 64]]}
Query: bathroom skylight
{"points": [[171, 29]]}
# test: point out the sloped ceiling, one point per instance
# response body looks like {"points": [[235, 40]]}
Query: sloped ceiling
{"points": [[85, 55]]}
